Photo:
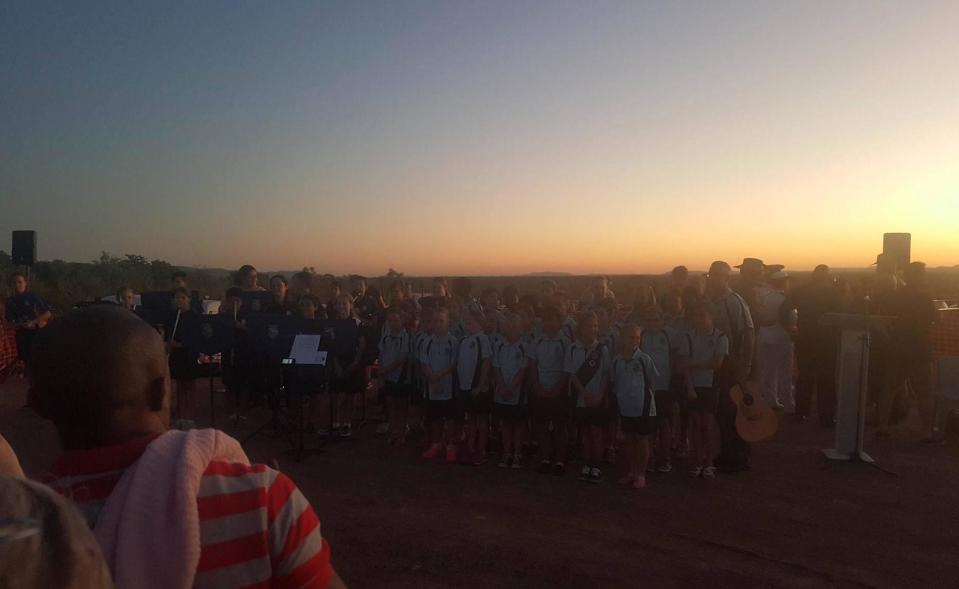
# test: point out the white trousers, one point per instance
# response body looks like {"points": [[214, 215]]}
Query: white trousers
{"points": [[776, 373]]}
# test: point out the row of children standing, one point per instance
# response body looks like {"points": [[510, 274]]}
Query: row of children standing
{"points": [[562, 376]]}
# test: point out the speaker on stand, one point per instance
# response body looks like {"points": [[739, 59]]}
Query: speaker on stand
{"points": [[24, 251]]}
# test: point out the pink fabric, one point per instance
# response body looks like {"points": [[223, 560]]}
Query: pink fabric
{"points": [[149, 528]]}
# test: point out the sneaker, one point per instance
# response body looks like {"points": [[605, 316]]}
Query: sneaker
{"points": [[479, 458], [545, 467], [665, 467], [346, 430], [696, 472], [584, 474], [639, 483], [559, 469], [433, 451], [451, 454], [709, 472], [383, 428], [595, 475], [505, 461], [517, 462]]}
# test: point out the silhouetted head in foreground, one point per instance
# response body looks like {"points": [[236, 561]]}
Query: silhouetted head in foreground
{"points": [[100, 374]]}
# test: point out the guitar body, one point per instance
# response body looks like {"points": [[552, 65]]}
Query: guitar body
{"points": [[755, 421]]}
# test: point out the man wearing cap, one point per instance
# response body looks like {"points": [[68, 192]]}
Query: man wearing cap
{"points": [[774, 348], [816, 345], [732, 317]]}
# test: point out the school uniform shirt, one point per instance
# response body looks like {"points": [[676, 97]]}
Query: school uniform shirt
{"points": [[705, 347], [510, 360], [679, 324], [25, 307], [549, 353], [393, 348], [576, 356], [633, 392], [458, 329], [439, 353], [472, 351], [661, 346]]}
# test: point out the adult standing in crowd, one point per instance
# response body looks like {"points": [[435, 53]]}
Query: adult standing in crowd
{"points": [[732, 317], [167, 507], [774, 353], [816, 345], [246, 278], [909, 358], [27, 311]]}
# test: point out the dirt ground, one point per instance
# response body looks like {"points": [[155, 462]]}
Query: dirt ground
{"points": [[794, 520]]}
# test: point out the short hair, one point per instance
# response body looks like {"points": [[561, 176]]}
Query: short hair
{"points": [[13, 276], [631, 326], [525, 309], [122, 290], [178, 274], [584, 316], [487, 292], [303, 276], [357, 278], [279, 277], [234, 291], [245, 269], [441, 311], [680, 271]]}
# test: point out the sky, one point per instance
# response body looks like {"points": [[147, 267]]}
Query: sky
{"points": [[481, 137]]}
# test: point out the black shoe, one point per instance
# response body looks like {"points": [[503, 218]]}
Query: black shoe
{"points": [[559, 469], [544, 467]]}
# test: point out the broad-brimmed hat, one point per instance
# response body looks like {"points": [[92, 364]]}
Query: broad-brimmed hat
{"points": [[751, 263]]}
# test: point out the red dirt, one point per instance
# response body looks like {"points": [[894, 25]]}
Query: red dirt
{"points": [[792, 521]]}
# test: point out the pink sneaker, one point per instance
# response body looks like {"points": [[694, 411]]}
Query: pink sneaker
{"points": [[451, 454], [433, 451]]}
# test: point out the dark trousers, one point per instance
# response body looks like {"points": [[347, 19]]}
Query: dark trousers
{"points": [[734, 452], [817, 374]]}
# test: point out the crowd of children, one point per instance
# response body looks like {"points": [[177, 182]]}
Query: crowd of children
{"points": [[585, 380]]}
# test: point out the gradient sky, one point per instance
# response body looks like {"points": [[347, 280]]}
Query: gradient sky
{"points": [[481, 137]]}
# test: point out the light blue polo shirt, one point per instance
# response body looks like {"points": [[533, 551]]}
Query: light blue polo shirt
{"points": [[471, 352], [510, 360], [628, 377], [439, 353], [549, 353]]}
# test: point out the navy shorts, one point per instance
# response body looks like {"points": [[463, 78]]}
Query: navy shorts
{"points": [[478, 404], [664, 403], [642, 426], [397, 390], [549, 409], [509, 412]]}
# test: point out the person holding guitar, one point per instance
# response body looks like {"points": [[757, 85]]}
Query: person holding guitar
{"points": [[27, 311]]}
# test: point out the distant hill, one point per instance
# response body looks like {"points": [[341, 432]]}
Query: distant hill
{"points": [[549, 274]]}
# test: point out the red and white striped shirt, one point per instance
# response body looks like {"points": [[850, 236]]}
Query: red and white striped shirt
{"points": [[256, 529]]}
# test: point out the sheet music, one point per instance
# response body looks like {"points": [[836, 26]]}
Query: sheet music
{"points": [[305, 350]]}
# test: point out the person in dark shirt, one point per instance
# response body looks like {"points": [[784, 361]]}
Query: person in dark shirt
{"points": [[909, 357], [281, 305], [816, 345], [27, 311]]}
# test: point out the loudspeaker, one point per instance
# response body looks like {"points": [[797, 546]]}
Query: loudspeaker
{"points": [[897, 248], [24, 248]]}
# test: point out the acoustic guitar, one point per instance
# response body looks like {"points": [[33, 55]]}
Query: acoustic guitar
{"points": [[755, 421]]}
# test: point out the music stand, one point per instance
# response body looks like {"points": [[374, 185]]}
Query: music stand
{"points": [[215, 335], [155, 306]]}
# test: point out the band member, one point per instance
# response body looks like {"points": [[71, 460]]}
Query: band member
{"points": [[125, 298], [246, 278], [27, 311], [732, 317]]}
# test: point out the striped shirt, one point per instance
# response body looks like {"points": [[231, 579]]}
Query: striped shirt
{"points": [[256, 529]]}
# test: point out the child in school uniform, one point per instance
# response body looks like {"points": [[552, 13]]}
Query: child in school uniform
{"points": [[348, 371], [509, 394], [587, 364], [665, 346], [605, 308], [473, 360], [438, 362], [395, 350], [419, 326], [549, 398], [707, 348], [632, 376]]}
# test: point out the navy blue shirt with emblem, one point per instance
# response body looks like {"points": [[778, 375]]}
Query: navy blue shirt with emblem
{"points": [[25, 307]]}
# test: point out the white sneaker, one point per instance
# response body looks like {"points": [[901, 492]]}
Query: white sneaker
{"points": [[584, 474]]}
